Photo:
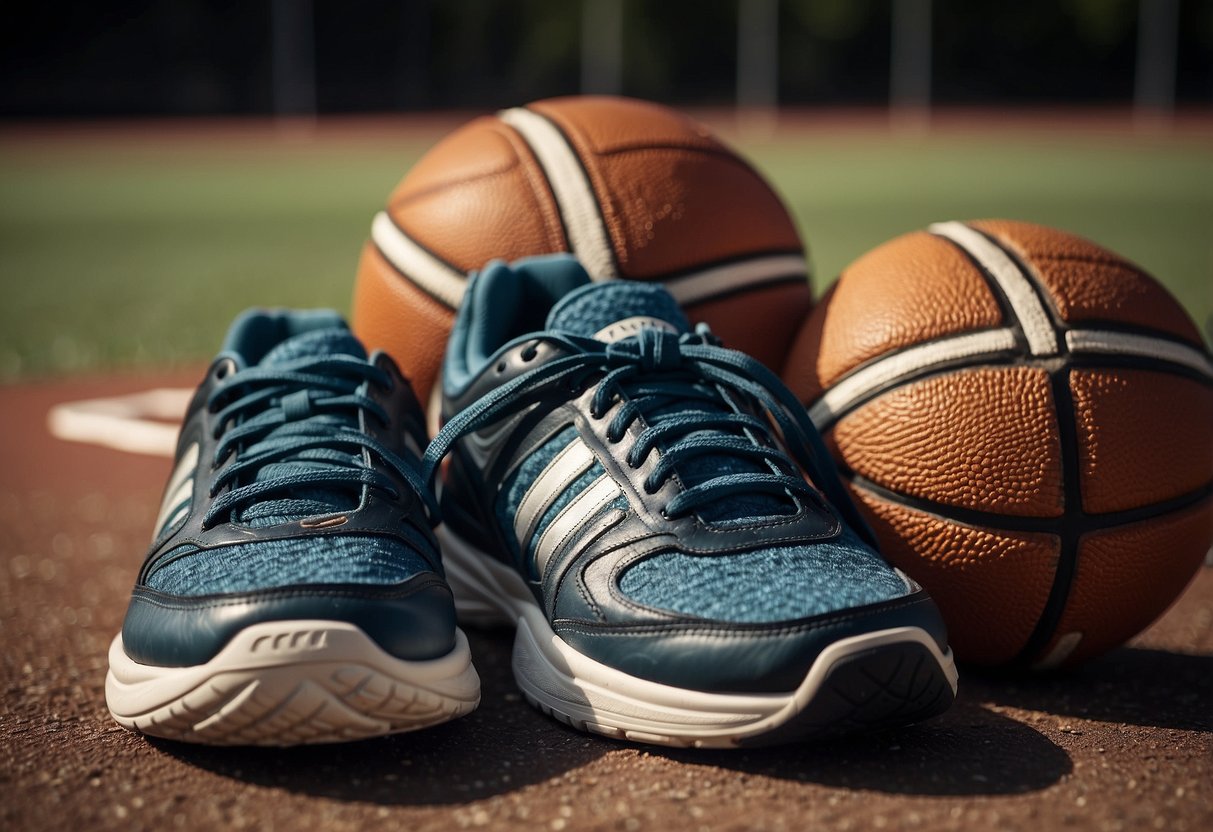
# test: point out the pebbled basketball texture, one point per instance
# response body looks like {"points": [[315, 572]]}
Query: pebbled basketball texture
{"points": [[1026, 420], [636, 190]]}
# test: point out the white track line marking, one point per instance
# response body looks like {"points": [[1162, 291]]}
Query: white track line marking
{"points": [[141, 423], [418, 265], [1042, 338], [574, 194]]}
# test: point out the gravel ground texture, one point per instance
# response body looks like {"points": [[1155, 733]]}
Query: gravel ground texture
{"points": [[1122, 743]]}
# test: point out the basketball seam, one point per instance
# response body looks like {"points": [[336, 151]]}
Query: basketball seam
{"points": [[692, 271], [599, 208], [536, 178], [824, 414], [1026, 308], [1070, 529], [1084, 360], [1026, 524], [1032, 277], [1105, 325], [730, 279], [440, 187], [450, 297], [1088, 341], [1076, 358], [621, 149], [755, 286], [1078, 361], [1074, 517], [1169, 355], [598, 256]]}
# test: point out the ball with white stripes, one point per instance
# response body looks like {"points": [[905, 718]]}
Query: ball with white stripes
{"points": [[635, 190], [1025, 419]]}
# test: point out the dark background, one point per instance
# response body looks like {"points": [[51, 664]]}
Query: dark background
{"points": [[215, 57]]}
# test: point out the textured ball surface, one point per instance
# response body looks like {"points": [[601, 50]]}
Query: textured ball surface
{"points": [[636, 190], [1026, 419]]}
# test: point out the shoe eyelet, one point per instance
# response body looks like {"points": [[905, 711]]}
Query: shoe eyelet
{"points": [[529, 354], [501, 365]]}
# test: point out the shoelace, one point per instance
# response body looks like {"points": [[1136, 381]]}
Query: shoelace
{"points": [[657, 367], [252, 403]]}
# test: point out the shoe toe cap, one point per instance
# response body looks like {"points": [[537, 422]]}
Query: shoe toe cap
{"points": [[413, 620]]}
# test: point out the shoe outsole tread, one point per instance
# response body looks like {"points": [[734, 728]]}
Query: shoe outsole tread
{"points": [[881, 680], [292, 699]]}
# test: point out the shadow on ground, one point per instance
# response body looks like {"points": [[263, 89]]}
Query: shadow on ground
{"points": [[502, 746], [1134, 685], [970, 750]]}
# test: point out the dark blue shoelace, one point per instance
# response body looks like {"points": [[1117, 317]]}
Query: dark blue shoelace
{"points": [[653, 371], [268, 416]]}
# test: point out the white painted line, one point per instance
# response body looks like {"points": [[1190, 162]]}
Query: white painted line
{"points": [[142, 423]]}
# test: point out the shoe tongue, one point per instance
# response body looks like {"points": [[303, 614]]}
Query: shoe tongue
{"points": [[613, 310], [308, 502], [316, 344], [618, 309]]}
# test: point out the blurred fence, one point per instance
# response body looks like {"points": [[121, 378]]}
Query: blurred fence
{"points": [[306, 56]]}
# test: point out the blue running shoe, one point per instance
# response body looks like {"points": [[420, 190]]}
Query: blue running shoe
{"points": [[293, 592], [630, 495]]}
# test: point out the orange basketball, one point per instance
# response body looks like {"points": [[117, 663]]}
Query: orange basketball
{"points": [[636, 190], [1026, 420]]}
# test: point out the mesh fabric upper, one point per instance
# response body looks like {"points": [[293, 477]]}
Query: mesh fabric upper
{"points": [[268, 564], [586, 310], [777, 584]]}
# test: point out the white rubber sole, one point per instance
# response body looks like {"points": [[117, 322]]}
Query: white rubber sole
{"points": [[290, 683], [866, 682]]}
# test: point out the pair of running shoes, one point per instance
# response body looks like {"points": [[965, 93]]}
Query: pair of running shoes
{"points": [[652, 512]]}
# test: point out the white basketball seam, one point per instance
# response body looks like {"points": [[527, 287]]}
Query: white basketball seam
{"points": [[572, 461], [1025, 303], [1125, 343], [588, 503], [431, 275], [574, 195], [732, 277], [845, 393]]}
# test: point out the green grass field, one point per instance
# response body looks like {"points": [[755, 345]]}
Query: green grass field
{"points": [[119, 254]]}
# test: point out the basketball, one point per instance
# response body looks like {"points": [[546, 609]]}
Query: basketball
{"points": [[635, 190], [1026, 420]]}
